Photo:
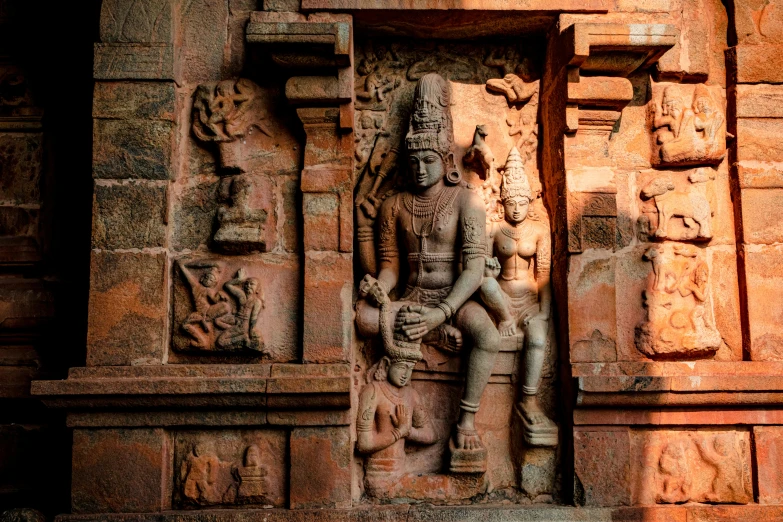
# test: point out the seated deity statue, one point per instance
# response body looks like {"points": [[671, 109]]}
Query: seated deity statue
{"points": [[390, 411], [438, 226], [518, 292]]}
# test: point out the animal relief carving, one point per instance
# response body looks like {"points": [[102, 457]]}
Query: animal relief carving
{"points": [[688, 130], [680, 320], [225, 316], [680, 214]]}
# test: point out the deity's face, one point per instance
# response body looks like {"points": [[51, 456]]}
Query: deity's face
{"points": [[209, 280], [516, 209], [427, 167], [251, 286], [400, 373], [672, 106], [703, 105]]}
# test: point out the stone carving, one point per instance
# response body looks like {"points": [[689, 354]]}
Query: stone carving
{"points": [[229, 113], [680, 320], [516, 289], [225, 317], [252, 475], [434, 225], [206, 480], [691, 205], [688, 133], [515, 70], [683, 467], [390, 412]]}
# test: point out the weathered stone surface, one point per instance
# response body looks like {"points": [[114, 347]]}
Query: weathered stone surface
{"points": [[602, 467], [137, 21], [129, 215], [134, 100], [137, 149], [327, 307], [327, 450], [765, 284], [128, 308], [133, 61], [108, 464], [768, 442]]}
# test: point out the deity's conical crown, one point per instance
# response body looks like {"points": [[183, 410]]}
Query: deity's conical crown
{"points": [[430, 124], [701, 91], [515, 181]]}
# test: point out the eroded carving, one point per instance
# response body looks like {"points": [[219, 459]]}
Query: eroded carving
{"points": [[688, 133], [225, 317], [434, 225], [680, 320], [680, 467], [689, 206], [517, 290], [207, 480], [229, 113]]}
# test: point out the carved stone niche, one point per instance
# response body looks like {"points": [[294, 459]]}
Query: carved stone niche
{"points": [[221, 306], [21, 158], [677, 205], [688, 125], [674, 467], [252, 148], [680, 320], [232, 468]]}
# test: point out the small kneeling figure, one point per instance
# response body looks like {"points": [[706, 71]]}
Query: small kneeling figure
{"points": [[391, 412]]}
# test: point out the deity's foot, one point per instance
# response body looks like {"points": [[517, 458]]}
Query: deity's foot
{"points": [[538, 429], [468, 454], [507, 328], [446, 338]]}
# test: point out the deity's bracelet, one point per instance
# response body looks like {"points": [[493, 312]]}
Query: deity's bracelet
{"points": [[447, 309]]}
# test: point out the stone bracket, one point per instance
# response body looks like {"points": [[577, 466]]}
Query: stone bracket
{"points": [[317, 42], [595, 103]]}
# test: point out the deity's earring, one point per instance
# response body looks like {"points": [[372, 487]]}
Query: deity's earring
{"points": [[453, 177]]}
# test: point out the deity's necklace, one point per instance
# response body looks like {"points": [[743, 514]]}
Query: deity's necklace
{"points": [[386, 388], [516, 233]]}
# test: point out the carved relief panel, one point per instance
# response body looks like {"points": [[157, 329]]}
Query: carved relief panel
{"points": [[688, 125], [255, 155], [677, 205], [680, 321], [238, 306], [673, 467], [447, 168], [232, 468]]}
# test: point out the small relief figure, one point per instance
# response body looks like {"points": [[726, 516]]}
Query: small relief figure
{"points": [[515, 71], [252, 476], [674, 474], [436, 226], [201, 475], [517, 291], [390, 411], [729, 484], [480, 156], [679, 319], [212, 308], [243, 335], [377, 70], [225, 315], [691, 205], [232, 113], [689, 135]]}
